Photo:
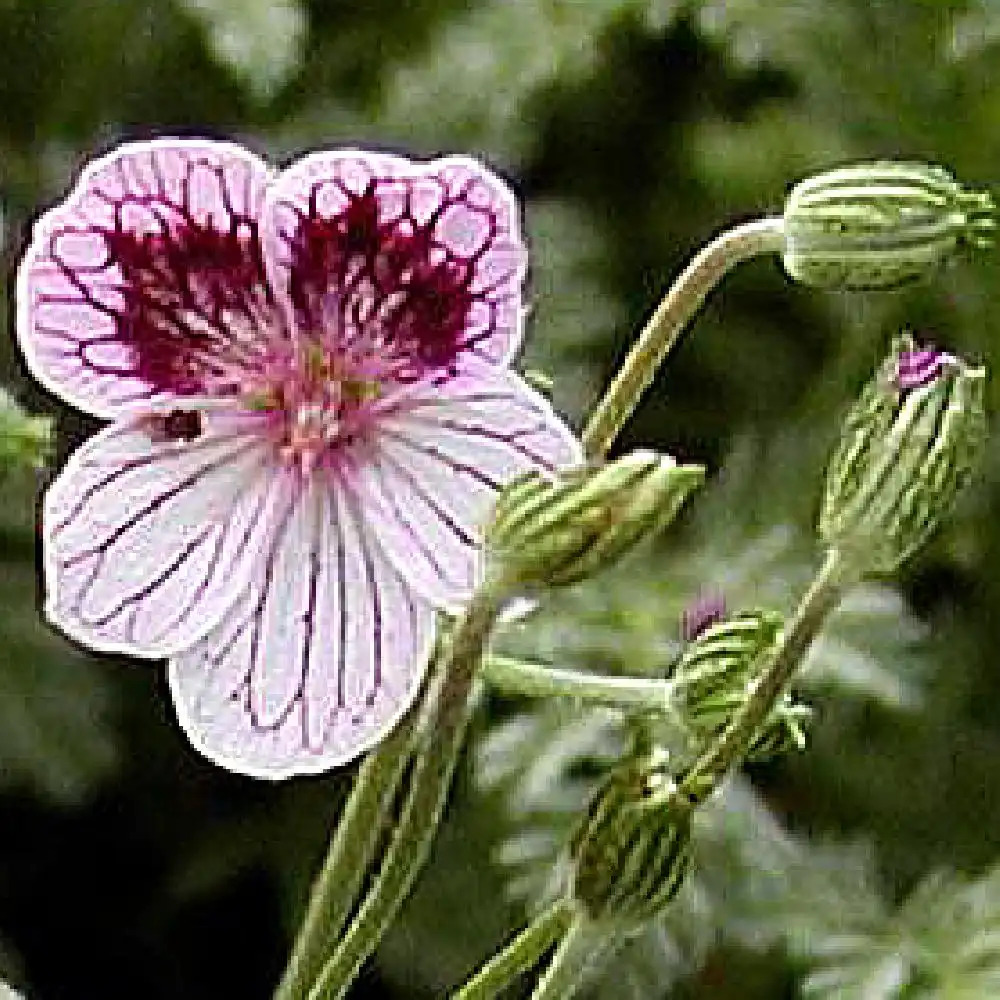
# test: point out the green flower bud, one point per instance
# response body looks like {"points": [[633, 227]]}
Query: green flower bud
{"points": [[909, 444], [25, 441], [632, 850], [877, 225], [715, 675], [554, 532]]}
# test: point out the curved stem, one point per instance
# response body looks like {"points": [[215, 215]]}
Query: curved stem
{"points": [[668, 322], [521, 955], [351, 851], [820, 599], [450, 701], [583, 945], [539, 680]]}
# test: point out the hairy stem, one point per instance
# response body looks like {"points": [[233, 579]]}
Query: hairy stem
{"points": [[351, 852], [437, 748], [521, 955], [582, 946], [664, 328]]}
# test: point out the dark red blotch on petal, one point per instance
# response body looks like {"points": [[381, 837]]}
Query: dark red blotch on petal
{"points": [[390, 282], [185, 290]]}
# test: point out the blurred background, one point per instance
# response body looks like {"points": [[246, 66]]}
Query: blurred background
{"points": [[634, 129]]}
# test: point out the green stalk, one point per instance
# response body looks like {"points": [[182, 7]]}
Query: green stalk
{"points": [[351, 852], [539, 680], [675, 311], [583, 945], [449, 705], [521, 955]]}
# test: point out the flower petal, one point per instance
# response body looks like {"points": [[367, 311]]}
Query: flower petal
{"points": [[438, 464], [148, 539], [318, 662], [431, 252], [146, 283]]}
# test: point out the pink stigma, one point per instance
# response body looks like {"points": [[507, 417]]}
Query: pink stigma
{"points": [[918, 368], [708, 608]]}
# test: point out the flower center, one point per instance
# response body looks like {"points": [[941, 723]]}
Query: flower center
{"points": [[316, 402]]}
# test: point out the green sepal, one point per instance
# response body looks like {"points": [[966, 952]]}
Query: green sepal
{"points": [[714, 675]]}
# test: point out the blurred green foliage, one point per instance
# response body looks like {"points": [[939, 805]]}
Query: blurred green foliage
{"points": [[634, 129]]}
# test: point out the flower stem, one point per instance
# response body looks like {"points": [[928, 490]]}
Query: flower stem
{"points": [[521, 955], [351, 851], [668, 322], [440, 735], [582, 946], [539, 680], [820, 599]]}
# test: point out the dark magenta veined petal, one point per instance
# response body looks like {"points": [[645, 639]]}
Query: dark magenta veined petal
{"points": [[318, 659], [431, 482], [150, 531], [147, 283], [426, 258]]}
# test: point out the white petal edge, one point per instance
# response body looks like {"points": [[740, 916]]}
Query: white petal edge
{"points": [[147, 543], [287, 683], [438, 465]]}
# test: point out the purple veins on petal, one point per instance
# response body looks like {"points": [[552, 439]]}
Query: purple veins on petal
{"points": [[708, 608], [427, 260]]}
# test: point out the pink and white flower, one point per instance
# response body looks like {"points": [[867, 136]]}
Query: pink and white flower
{"points": [[307, 377]]}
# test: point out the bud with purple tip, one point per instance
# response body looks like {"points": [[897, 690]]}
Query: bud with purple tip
{"points": [[705, 610], [908, 446]]}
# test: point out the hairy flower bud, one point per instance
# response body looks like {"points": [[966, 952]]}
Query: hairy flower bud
{"points": [[877, 225], [716, 673], [25, 441], [908, 445], [631, 852], [553, 532]]}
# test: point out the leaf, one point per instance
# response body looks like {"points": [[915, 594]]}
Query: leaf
{"points": [[475, 86], [261, 40], [943, 942]]}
